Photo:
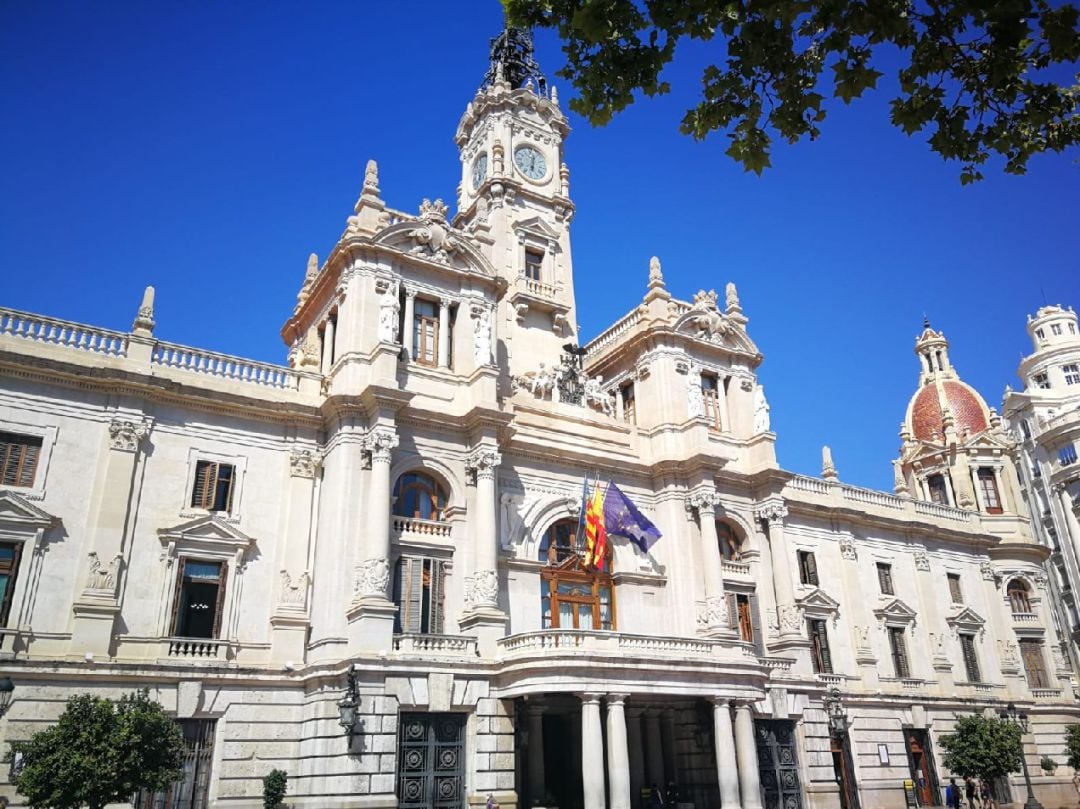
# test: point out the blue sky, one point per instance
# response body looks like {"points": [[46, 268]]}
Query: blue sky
{"points": [[208, 148]]}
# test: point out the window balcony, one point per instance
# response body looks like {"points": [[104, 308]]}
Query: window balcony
{"points": [[406, 527], [574, 642], [196, 650], [428, 645]]}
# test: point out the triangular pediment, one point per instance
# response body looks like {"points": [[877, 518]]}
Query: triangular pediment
{"points": [[818, 601], [210, 529], [967, 618], [538, 227], [16, 511], [895, 611]]}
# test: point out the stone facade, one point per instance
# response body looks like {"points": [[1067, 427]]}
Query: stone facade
{"points": [[395, 510], [1044, 418]]}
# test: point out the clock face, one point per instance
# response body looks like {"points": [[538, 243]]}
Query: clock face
{"points": [[530, 162], [479, 171]]}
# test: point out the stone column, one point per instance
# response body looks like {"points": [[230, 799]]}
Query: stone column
{"points": [[289, 620], [787, 613], [328, 346], [482, 614], [667, 736], [655, 763], [726, 763], [637, 754], [407, 326], [746, 751], [714, 619], [537, 783], [592, 752], [371, 613], [444, 332], [114, 490], [618, 761]]}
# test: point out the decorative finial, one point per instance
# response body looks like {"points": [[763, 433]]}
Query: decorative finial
{"points": [[554, 95], [144, 320], [899, 484], [732, 297], [312, 267], [564, 180], [656, 275], [371, 178], [828, 468], [925, 321]]}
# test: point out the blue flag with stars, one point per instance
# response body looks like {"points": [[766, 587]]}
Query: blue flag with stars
{"points": [[622, 517]]}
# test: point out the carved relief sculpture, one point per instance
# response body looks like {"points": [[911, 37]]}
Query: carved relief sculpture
{"points": [[303, 463], [372, 579], [294, 593], [103, 577], [126, 435]]}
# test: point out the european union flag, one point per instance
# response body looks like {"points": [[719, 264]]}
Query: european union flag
{"points": [[623, 518]]}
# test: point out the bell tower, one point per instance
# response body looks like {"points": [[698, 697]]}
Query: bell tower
{"points": [[514, 199]]}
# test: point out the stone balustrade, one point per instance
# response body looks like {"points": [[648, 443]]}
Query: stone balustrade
{"points": [[224, 366], [537, 288], [408, 526], [612, 335], [731, 568], [50, 331], [435, 645], [619, 644], [942, 512], [199, 650]]}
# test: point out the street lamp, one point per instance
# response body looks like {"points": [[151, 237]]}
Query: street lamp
{"points": [[838, 721], [7, 688], [347, 708], [1021, 721]]}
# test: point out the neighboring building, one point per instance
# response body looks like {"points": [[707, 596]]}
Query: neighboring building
{"points": [[1044, 419], [395, 512]]}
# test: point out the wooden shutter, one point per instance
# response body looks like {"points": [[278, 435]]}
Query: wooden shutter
{"points": [[231, 479], [219, 607], [174, 618], [811, 569], [18, 459], [410, 593], [732, 610], [755, 617], [435, 621], [899, 652], [971, 662], [205, 482], [820, 640], [1034, 665], [12, 575], [884, 573]]}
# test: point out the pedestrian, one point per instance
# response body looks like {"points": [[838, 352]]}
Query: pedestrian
{"points": [[952, 795], [969, 791], [1076, 785], [986, 794], [656, 798]]}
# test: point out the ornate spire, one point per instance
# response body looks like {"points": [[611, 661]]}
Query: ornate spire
{"points": [[656, 275], [828, 468], [512, 61], [144, 319]]}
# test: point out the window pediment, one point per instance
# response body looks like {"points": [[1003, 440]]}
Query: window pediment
{"points": [[18, 513], [817, 603], [895, 613], [967, 620], [537, 228], [210, 536]]}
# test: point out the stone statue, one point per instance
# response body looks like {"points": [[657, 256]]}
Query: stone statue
{"points": [[695, 396], [595, 396], [388, 315], [761, 410], [482, 336]]}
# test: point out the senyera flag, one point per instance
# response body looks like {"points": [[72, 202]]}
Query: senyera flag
{"points": [[595, 532]]}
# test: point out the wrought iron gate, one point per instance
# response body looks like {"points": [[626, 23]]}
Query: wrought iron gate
{"points": [[431, 753], [192, 789], [778, 764]]}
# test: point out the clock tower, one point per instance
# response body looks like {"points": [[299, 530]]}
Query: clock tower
{"points": [[514, 200]]}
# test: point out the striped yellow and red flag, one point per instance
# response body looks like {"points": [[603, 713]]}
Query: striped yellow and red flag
{"points": [[595, 532]]}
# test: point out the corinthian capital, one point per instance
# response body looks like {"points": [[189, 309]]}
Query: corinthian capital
{"points": [[773, 511], [703, 501], [303, 463], [482, 462], [380, 442], [127, 434]]}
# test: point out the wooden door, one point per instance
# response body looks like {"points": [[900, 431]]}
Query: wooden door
{"points": [[921, 769], [844, 770]]}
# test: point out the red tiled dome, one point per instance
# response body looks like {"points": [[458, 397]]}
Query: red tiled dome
{"points": [[968, 411]]}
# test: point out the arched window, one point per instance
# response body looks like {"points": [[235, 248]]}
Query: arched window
{"points": [[729, 541], [1019, 596], [571, 596], [419, 496]]}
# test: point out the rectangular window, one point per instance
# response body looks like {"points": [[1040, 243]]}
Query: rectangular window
{"points": [[628, 402], [534, 264], [18, 459], [746, 618], [988, 486], [1025, 429], [192, 789], [418, 593], [1067, 455], [1072, 374], [807, 568], [884, 577], [954, 588], [1034, 663], [819, 646], [200, 598], [9, 569], [213, 489], [971, 662], [1072, 328], [425, 332], [710, 392], [1040, 334], [1055, 329], [1041, 381], [939, 492], [898, 647]]}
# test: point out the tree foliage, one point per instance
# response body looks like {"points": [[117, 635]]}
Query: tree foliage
{"points": [[1072, 746], [275, 783], [982, 747], [99, 752], [982, 77]]}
